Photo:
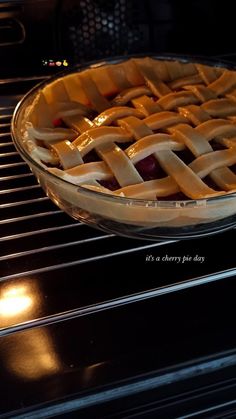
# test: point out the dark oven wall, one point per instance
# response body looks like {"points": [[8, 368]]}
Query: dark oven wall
{"points": [[79, 30]]}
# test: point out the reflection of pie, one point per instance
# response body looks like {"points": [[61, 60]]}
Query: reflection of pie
{"points": [[142, 128]]}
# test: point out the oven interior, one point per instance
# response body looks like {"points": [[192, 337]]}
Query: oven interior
{"points": [[155, 339]]}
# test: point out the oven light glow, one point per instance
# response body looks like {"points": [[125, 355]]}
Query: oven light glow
{"points": [[15, 301]]}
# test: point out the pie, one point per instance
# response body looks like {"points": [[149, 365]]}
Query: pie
{"points": [[149, 141]]}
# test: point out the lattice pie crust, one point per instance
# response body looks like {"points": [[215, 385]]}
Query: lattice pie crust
{"points": [[143, 129]]}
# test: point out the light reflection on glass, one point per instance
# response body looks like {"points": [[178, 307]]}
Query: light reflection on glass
{"points": [[33, 356], [30, 355], [19, 302], [14, 300], [91, 371]]}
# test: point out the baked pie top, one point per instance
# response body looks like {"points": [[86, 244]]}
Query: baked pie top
{"points": [[143, 128]]}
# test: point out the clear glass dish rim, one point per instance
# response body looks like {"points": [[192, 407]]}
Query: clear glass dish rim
{"points": [[101, 195]]}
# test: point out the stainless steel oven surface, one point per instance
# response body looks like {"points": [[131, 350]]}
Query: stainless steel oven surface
{"points": [[93, 325]]}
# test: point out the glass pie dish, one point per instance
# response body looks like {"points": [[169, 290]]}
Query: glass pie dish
{"points": [[142, 147]]}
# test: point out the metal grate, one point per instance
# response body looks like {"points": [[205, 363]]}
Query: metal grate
{"points": [[100, 25]]}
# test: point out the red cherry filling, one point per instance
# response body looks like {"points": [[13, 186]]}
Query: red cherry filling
{"points": [[111, 184], [91, 157], [179, 196], [185, 155], [211, 183], [57, 123], [218, 146], [149, 168], [233, 168]]}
